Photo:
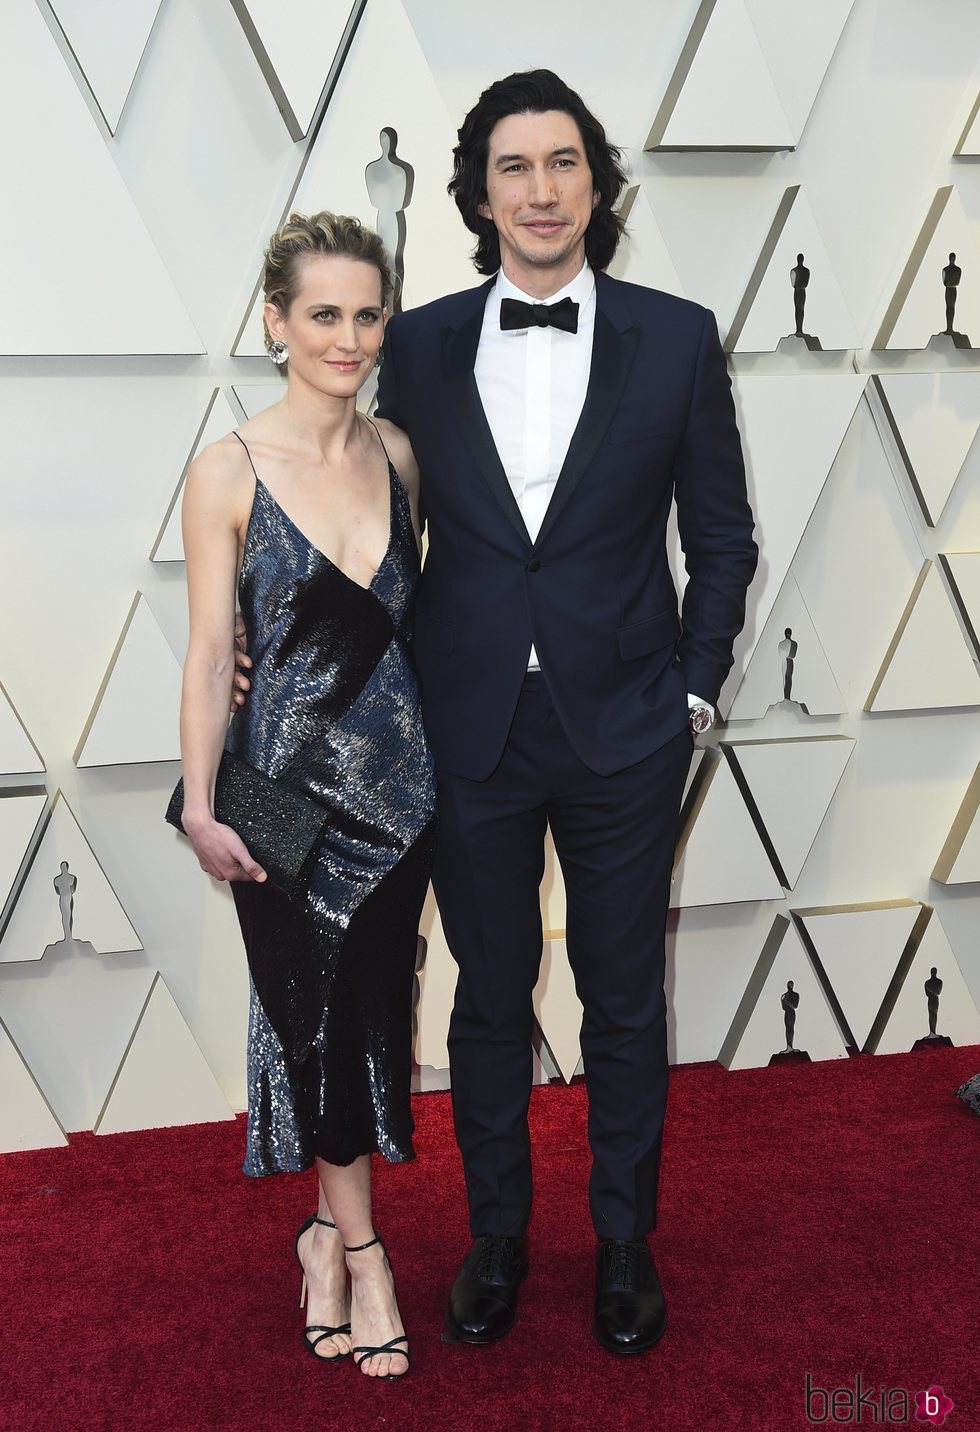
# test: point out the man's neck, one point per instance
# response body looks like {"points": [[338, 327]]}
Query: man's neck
{"points": [[543, 283]]}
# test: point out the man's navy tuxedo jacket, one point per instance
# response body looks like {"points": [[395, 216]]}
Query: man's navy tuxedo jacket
{"points": [[594, 591]]}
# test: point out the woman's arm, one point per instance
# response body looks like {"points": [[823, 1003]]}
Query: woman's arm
{"points": [[216, 499]]}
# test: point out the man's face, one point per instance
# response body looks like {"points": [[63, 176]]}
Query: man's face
{"points": [[540, 196]]}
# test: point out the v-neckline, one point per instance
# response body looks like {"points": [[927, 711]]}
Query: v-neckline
{"points": [[392, 479]]}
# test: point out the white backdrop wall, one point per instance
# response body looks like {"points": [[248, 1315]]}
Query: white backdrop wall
{"points": [[155, 230]]}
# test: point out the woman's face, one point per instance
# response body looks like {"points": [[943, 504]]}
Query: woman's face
{"points": [[334, 326]]}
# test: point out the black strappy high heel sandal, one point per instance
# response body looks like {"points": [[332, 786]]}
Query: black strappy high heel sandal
{"points": [[321, 1328], [391, 1346]]}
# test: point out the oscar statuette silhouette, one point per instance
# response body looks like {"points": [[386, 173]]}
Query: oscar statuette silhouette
{"points": [[799, 341], [952, 277], [789, 1002], [933, 989]]}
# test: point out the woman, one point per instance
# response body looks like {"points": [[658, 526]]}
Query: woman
{"points": [[311, 511]]}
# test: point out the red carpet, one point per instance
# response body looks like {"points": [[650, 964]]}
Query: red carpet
{"points": [[817, 1220]]}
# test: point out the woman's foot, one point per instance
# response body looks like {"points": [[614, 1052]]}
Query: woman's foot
{"points": [[377, 1331], [320, 1250]]}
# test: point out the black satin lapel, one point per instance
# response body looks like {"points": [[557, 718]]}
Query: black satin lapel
{"points": [[459, 359], [612, 358]]}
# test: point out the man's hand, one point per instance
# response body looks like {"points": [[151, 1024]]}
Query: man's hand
{"points": [[243, 662]]}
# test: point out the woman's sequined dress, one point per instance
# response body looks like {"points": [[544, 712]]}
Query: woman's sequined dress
{"points": [[334, 711]]}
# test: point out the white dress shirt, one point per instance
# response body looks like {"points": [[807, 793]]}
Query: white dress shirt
{"points": [[532, 384]]}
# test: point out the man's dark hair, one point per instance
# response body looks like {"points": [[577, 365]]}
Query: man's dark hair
{"points": [[534, 92]]}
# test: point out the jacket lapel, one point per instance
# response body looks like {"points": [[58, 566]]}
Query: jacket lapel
{"points": [[459, 360], [614, 346]]}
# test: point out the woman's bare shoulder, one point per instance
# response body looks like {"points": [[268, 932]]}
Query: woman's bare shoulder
{"points": [[400, 452], [221, 475]]}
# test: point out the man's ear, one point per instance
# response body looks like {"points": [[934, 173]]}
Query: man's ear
{"points": [[483, 209]]}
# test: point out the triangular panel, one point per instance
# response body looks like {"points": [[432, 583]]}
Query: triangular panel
{"points": [[792, 429], [136, 714], [90, 908], [933, 419], [743, 80], [557, 1008], [295, 43], [856, 950], [53, 147], [385, 59], [908, 1019], [788, 666], [22, 817], [766, 313], [797, 65], [642, 257], [928, 664], [720, 858], [219, 419], [71, 1017], [917, 312], [863, 519], [18, 754], [959, 859], [108, 40], [712, 951], [722, 95], [164, 1079], [963, 574], [759, 1030], [789, 786], [27, 1120]]}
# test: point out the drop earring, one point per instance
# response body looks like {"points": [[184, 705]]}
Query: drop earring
{"points": [[278, 352]]}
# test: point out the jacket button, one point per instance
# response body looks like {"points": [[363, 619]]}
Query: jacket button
{"points": [[534, 565]]}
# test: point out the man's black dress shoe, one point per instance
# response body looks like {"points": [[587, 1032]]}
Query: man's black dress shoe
{"points": [[483, 1302], [630, 1312]]}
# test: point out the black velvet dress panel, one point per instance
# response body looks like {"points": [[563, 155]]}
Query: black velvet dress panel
{"points": [[334, 712]]}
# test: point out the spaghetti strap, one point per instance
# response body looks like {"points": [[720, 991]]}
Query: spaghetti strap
{"points": [[249, 455], [380, 439]]}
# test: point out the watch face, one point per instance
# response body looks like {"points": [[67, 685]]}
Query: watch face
{"points": [[700, 719]]}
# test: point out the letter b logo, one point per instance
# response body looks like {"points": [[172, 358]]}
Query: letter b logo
{"points": [[816, 1411]]}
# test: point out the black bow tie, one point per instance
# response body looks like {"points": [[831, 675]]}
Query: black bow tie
{"points": [[514, 313]]}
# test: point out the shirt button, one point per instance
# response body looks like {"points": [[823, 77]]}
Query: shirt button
{"points": [[533, 566]]}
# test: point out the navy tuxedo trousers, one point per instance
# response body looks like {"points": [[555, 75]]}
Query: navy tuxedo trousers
{"points": [[614, 836]]}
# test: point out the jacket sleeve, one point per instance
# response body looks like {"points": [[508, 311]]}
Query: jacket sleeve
{"points": [[714, 522], [391, 403]]}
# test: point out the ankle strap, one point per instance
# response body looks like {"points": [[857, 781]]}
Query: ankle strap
{"points": [[325, 1222], [360, 1247]]}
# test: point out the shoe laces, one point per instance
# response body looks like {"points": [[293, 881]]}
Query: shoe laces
{"points": [[624, 1261], [494, 1256]]}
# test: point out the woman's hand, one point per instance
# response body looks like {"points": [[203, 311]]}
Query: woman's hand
{"points": [[220, 851]]}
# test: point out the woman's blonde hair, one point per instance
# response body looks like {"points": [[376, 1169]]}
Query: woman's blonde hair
{"points": [[304, 236]]}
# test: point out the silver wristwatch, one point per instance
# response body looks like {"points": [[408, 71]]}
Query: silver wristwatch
{"points": [[700, 719]]}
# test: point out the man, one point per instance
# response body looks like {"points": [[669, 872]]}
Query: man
{"points": [[555, 413]]}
